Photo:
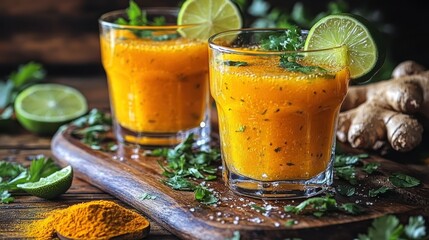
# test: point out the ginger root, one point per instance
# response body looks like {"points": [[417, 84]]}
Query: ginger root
{"points": [[390, 113]]}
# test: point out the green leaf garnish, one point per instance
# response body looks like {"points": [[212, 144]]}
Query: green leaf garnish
{"points": [[346, 190], [290, 40], [93, 129], [184, 163], [26, 75], [204, 195], [235, 63], [258, 208], [370, 167], [403, 181], [137, 17], [376, 192], [347, 173], [321, 205], [389, 227], [147, 196]]}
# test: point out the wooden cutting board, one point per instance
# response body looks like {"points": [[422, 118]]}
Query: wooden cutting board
{"points": [[128, 174]]}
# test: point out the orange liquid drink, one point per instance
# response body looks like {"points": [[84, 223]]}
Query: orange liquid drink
{"points": [[158, 85], [277, 127]]}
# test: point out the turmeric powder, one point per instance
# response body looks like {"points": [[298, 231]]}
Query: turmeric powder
{"points": [[90, 220]]}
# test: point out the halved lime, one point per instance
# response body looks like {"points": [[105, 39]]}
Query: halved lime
{"points": [[43, 108], [211, 16], [51, 186], [365, 53]]}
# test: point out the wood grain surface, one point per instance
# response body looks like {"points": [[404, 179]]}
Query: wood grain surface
{"points": [[127, 174]]}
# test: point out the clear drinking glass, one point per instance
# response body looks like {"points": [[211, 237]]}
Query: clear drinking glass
{"points": [[276, 125], [158, 80]]}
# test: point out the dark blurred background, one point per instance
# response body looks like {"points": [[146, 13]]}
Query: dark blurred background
{"points": [[63, 35]]}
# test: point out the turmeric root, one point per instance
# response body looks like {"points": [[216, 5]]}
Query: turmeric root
{"points": [[385, 113]]}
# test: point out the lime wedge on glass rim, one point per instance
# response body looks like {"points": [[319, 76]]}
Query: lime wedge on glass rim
{"points": [[43, 108], [51, 186], [210, 17], [364, 54]]}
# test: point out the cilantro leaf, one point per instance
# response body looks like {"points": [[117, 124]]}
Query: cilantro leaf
{"points": [[416, 228], [258, 208], [204, 195], [370, 167], [322, 205], [388, 227], [41, 167], [147, 196], [376, 192], [347, 173], [235, 63], [93, 129], [184, 162], [6, 197], [12, 174], [351, 208], [346, 190], [30, 72], [319, 206], [403, 181], [346, 160]]}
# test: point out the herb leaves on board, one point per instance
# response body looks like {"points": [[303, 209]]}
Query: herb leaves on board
{"points": [[403, 181], [93, 128], [319, 206], [185, 164]]}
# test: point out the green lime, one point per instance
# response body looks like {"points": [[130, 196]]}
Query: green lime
{"points": [[365, 53], [212, 16], [43, 108], [51, 186]]}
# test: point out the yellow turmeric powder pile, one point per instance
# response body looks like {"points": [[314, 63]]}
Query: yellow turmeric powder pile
{"points": [[90, 220]]}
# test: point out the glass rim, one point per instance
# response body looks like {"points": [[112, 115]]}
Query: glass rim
{"points": [[166, 10], [233, 50]]}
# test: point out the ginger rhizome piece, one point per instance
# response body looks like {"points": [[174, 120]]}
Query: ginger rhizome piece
{"points": [[387, 113]]}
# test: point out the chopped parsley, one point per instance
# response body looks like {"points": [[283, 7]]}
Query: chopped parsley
{"points": [[185, 165], [319, 206], [288, 41]]}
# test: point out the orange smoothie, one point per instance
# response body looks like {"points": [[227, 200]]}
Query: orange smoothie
{"points": [[274, 124], [156, 86]]}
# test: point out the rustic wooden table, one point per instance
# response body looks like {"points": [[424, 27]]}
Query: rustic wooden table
{"points": [[21, 146]]}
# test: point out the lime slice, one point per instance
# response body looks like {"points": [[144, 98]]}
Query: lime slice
{"points": [[364, 52], [51, 186], [43, 108], [212, 16]]}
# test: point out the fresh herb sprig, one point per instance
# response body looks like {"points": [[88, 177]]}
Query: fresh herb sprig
{"points": [[389, 227], [137, 17], [12, 174], [319, 206], [92, 129], [344, 166], [25, 76], [290, 40], [184, 164]]}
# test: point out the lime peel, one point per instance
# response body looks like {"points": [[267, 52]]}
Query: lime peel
{"points": [[51, 186]]}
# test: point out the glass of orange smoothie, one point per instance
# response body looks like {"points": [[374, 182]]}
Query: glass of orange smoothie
{"points": [[157, 79], [277, 113]]}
